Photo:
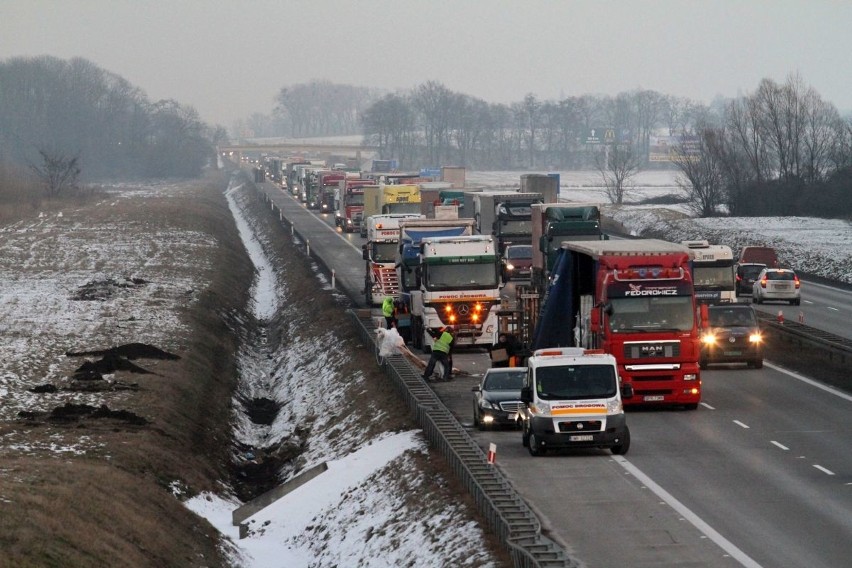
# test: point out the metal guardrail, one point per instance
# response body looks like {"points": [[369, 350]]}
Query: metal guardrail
{"points": [[834, 346], [507, 515]]}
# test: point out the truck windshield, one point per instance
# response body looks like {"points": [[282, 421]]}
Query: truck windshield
{"points": [[461, 276], [385, 252], [721, 277], [401, 208], [572, 382], [355, 199], [515, 227], [651, 314]]}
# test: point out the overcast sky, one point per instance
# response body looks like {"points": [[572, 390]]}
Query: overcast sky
{"points": [[230, 59]]}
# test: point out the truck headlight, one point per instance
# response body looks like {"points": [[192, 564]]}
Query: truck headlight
{"points": [[540, 409], [690, 377]]}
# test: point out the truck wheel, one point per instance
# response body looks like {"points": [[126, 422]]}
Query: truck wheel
{"points": [[624, 444], [534, 448], [416, 333]]}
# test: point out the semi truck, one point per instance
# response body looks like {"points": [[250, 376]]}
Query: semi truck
{"points": [[713, 273], [553, 223], [380, 254], [328, 183], [457, 283], [506, 215], [448, 276], [350, 205], [635, 300], [572, 398], [381, 199]]}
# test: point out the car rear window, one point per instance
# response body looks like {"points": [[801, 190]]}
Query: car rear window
{"points": [[780, 275]]}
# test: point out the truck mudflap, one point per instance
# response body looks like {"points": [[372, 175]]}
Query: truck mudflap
{"points": [[555, 432]]}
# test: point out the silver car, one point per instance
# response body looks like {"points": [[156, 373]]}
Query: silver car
{"points": [[780, 284]]}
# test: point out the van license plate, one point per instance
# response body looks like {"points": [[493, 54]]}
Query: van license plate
{"points": [[583, 438], [654, 398]]}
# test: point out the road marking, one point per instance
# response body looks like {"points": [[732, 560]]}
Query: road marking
{"points": [[822, 469], [687, 514], [833, 309], [738, 423], [811, 382], [705, 405], [780, 445]]}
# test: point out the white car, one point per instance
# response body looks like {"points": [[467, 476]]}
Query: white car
{"points": [[780, 284]]}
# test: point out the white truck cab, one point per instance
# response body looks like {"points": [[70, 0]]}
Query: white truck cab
{"points": [[572, 399]]}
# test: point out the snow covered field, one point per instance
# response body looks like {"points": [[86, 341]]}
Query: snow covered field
{"points": [[819, 247]]}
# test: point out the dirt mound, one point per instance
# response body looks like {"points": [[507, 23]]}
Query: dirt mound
{"points": [[129, 351], [71, 412], [101, 290]]}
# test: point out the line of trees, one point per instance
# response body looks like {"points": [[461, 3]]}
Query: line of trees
{"points": [[73, 110], [781, 150]]}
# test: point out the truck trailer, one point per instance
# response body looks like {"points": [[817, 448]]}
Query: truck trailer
{"points": [[635, 300], [382, 199]]}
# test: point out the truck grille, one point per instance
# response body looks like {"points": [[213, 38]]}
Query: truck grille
{"points": [[581, 426], [652, 350]]}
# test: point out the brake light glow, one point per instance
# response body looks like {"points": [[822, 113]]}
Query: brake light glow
{"points": [[796, 281]]}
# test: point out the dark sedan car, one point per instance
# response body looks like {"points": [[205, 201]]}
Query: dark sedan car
{"points": [[732, 336], [497, 398], [517, 262]]}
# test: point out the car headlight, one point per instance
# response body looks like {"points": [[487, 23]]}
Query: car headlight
{"points": [[614, 406], [755, 338], [485, 403], [708, 339], [540, 409], [510, 266]]}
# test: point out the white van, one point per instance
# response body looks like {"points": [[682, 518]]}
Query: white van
{"points": [[572, 399]]}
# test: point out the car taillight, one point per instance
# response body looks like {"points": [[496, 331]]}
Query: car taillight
{"points": [[739, 278], [763, 282], [796, 281]]}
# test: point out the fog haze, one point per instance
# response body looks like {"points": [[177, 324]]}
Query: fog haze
{"points": [[229, 60]]}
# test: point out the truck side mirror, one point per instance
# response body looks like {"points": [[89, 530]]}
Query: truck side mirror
{"points": [[705, 316], [365, 252], [627, 390], [526, 395]]}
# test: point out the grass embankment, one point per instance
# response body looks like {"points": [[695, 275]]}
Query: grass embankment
{"points": [[115, 505]]}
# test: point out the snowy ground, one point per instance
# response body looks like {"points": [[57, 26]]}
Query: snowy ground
{"points": [[820, 247], [326, 521]]}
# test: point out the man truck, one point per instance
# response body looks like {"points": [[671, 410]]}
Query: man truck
{"points": [[635, 300]]}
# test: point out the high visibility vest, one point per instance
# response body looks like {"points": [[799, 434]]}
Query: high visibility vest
{"points": [[443, 343], [387, 307]]}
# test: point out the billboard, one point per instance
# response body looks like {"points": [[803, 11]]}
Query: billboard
{"points": [[663, 148]]}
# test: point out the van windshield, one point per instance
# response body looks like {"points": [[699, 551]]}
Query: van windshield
{"points": [[575, 382]]}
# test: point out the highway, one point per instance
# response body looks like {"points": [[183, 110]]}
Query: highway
{"points": [[760, 475]]}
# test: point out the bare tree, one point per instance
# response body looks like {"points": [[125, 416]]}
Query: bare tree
{"points": [[617, 165], [702, 173], [58, 172]]}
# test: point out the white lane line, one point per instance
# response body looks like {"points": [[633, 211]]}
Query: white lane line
{"points": [[833, 309], [822, 469], [780, 445], [740, 424], [811, 382], [705, 405], [687, 514]]}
